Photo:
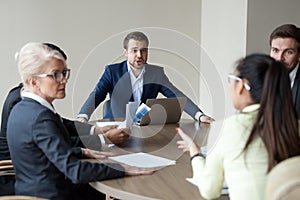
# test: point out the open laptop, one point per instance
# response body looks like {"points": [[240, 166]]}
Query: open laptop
{"points": [[163, 111]]}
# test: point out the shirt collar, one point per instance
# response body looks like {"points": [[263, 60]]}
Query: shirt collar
{"points": [[129, 68], [38, 99], [250, 108]]}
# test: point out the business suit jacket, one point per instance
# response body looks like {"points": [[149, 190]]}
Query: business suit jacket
{"points": [[74, 128], [46, 160], [11, 100], [116, 82], [296, 92], [7, 182]]}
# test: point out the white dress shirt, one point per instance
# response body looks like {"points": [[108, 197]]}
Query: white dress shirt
{"points": [[137, 86], [136, 83]]}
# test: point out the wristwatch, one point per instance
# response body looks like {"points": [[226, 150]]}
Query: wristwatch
{"points": [[200, 117]]}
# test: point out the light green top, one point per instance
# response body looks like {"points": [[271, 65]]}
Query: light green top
{"points": [[245, 176]]}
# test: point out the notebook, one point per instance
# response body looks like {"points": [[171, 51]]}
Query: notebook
{"points": [[163, 111]]}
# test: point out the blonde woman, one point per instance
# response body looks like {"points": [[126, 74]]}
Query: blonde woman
{"points": [[46, 159]]}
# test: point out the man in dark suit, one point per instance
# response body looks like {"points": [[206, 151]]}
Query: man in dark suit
{"points": [[7, 182], [285, 47], [134, 80]]}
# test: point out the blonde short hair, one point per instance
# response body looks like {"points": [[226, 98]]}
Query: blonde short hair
{"points": [[32, 57]]}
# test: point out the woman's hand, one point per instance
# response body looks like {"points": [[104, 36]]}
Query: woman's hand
{"points": [[108, 128], [81, 119], [116, 135], [206, 119], [133, 171], [101, 130], [187, 144], [96, 154]]}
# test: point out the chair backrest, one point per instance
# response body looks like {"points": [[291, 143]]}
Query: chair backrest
{"points": [[6, 168], [17, 197], [284, 180], [106, 107]]}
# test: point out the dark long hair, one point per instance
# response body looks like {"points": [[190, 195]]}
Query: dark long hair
{"points": [[276, 122]]}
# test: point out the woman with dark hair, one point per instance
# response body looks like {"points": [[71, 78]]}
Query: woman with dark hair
{"points": [[249, 144]]}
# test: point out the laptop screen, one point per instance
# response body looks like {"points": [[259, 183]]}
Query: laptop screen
{"points": [[164, 110]]}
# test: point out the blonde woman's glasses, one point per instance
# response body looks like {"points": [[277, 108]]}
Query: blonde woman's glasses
{"points": [[57, 76]]}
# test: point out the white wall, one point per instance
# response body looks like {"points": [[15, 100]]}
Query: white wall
{"points": [[223, 38], [264, 16], [91, 33], [230, 30]]}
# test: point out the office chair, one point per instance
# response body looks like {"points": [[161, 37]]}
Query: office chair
{"points": [[7, 178], [6, 168], [106, 107], [18, 197], [284, 180]]}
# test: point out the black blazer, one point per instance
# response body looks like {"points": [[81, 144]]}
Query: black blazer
{"points": [[296, 92], [46, 163], [11, 100]]}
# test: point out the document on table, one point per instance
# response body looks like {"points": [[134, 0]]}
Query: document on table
{"points": [[102, 124], [144, 160], [224, 189], [119, 124]]}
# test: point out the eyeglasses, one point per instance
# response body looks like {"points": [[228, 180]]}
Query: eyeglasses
{"points": [[57, 76], [231, 76]]}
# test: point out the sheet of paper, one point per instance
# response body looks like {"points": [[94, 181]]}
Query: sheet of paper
{"points": [[102, 124], [123, 125], [131, 108], [143, 160], [224, 190]]}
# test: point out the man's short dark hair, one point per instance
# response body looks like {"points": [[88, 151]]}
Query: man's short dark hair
{"points": [[136, 35], [286, 31]]}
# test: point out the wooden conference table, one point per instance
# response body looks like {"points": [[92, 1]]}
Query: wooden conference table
{"points": [[166, 183]]}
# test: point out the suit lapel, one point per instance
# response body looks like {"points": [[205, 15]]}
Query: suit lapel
{"points": [[126, 81], [296, 85], [122, 92], [151, 82], [65, 133]]}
